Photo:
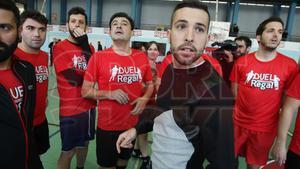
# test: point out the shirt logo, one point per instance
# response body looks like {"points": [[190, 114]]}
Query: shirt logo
{"points": [[79, 62], [41, 73], [125, 74], [262, 81], [17, 94]]}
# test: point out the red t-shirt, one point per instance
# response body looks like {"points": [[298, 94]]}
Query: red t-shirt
{"points": [[168, 60], [294, 91], [40, 62], [67, 55], [13, 86], [260, 90], [112, 71]]}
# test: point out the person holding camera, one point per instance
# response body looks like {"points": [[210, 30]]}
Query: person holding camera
{"points": [[226, 55], [243, 45]]}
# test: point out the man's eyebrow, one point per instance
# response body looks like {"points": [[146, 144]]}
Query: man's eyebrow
{"points": [[31, 26], [185, 21], [181, 20], [201, 24], [6, 25]]}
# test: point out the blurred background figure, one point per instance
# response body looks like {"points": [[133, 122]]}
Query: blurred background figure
{"points": [[243, 45]]}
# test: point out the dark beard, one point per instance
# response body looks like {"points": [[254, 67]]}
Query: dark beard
{"points": [[8, 50], [72, 34]]}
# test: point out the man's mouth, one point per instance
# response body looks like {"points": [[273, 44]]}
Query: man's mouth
{"points": [[119, 32], [187, 50], [274, 41]]}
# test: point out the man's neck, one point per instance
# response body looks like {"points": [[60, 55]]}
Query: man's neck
{"points": [[265, 55], [71, 39], [27, 49], [5, 65], [121, 48]]}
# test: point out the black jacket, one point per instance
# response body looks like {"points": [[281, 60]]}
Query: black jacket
{"points": [[15, 128], [201, 107]]}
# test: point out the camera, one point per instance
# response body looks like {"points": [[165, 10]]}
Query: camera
{"points": [[228, 45]]}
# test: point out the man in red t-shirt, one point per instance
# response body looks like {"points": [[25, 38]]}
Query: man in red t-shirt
{"points": [[291, 105], [258, 82], [77, 114], [120, 73], [17, 96], [33, 33]]}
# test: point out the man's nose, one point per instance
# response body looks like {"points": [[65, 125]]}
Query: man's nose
{"points": [[189, 35]]}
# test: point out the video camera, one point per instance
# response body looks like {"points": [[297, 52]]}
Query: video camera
{"points": [[228, 45]]}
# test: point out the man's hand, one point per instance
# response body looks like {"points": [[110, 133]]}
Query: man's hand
{"points": [[279, 152], [140, 104], [125, 139], [229, 57], [119, 95], [78, 32]]}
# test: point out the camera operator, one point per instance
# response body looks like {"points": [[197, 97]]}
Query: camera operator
{"points": [[226, 55], [243, 45]]}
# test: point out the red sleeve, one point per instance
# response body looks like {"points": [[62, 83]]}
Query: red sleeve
{"points": [[294, 90], [60, 59], [92, 49], [234, 73], [91, 74], [148, 74], [214, 62], [293, 73], [164, 64]]}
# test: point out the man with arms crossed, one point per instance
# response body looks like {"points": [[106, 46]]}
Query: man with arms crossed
{"points": [[33, 34], [120, 72], [77, 114], [258, 82], [192, 120]]}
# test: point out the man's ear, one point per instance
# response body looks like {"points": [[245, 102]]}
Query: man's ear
{"points": [[67, 25], [169, 35], [19, 32], [86, 28], [248, 49], [258, 37]]}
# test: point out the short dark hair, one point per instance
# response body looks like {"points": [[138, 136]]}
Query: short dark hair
{"points": [[190, 4], [246, 39], [150, 43], [11, 6], [123, 15], [34, 15], [262, 26], [77, 10]]}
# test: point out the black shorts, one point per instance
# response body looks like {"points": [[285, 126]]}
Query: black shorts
{"points": [[41, 137], [292, 160], [106, 150], [76, 130]]}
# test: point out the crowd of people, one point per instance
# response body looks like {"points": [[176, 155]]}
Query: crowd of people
{"points": [[198, 107]]}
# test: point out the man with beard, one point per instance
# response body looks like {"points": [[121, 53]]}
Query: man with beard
{"points": [[243, 45], [121, 73], [258, 82], [33, 34], [192, 120], [77, 114], [17, 101]]}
